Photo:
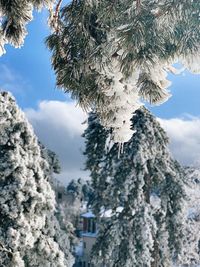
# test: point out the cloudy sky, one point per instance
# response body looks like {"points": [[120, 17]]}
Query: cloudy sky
{"points": [[27, 73]]}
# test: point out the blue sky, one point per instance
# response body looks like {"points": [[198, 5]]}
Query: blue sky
{"points": [[27, 73], [30, 67]]}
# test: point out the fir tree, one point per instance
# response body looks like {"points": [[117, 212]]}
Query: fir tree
{"points": [[149, 186], [30, 234], [110, 54]]}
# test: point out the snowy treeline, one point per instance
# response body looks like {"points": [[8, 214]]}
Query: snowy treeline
{"points": [[158, 225]]}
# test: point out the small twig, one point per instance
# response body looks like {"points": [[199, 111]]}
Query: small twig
{"points": [[138, 5], [160, 13], [6, 27], [49, 245], [56, 16], [3, 248], [58, 8]]}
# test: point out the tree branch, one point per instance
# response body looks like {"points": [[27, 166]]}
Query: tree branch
{"points": [[54, 17], [138, 5], [3, 248], [58, 8]]}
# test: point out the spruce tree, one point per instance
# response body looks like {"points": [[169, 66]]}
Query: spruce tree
{"points": [[111, 54], [149, 186], [30, 235]]}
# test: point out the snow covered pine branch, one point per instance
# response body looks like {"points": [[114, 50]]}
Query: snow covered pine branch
{"points": [[113, 55], [14, 17]]}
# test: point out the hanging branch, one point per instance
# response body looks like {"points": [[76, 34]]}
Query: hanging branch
{"points": [[3, 248], [138, 5], [166, 10], [8, 23], [54, 17], [58, 9]]}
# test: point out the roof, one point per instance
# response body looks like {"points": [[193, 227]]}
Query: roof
{"points": [[88, 214], [104, 213]]}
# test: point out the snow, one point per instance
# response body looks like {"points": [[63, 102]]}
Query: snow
{"points": [[104, 213], [17, 16], [155, 201], [191, 62], [121, 100], [130, 232], [89, 234], [129, 60], [88, 214], [109, 213], [28, 225], [192, 231], [79, 249]]}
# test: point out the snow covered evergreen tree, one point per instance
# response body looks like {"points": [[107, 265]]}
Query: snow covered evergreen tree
{"points": [[80, 189], [14, 17], [60, 223], [30, 235], [148, 184], [109, 55], [191, 252]]}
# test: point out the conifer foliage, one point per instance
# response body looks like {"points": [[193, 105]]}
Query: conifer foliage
{"points": [[148, 186], [111, 54], [192, 243], [30, 235], [14, 17]]}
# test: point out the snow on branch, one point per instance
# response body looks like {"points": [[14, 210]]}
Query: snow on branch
{"points": [[112, 61]]}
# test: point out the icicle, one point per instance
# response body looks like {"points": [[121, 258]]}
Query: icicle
{"points": [[2, 49], [120, 149], [109, 143]]}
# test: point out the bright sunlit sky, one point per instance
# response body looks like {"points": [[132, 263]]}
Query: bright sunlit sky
{"points": [[27, 73]]}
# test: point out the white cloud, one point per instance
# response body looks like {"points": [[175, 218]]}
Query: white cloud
{"points": [[59, 126], [184, 137]]}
